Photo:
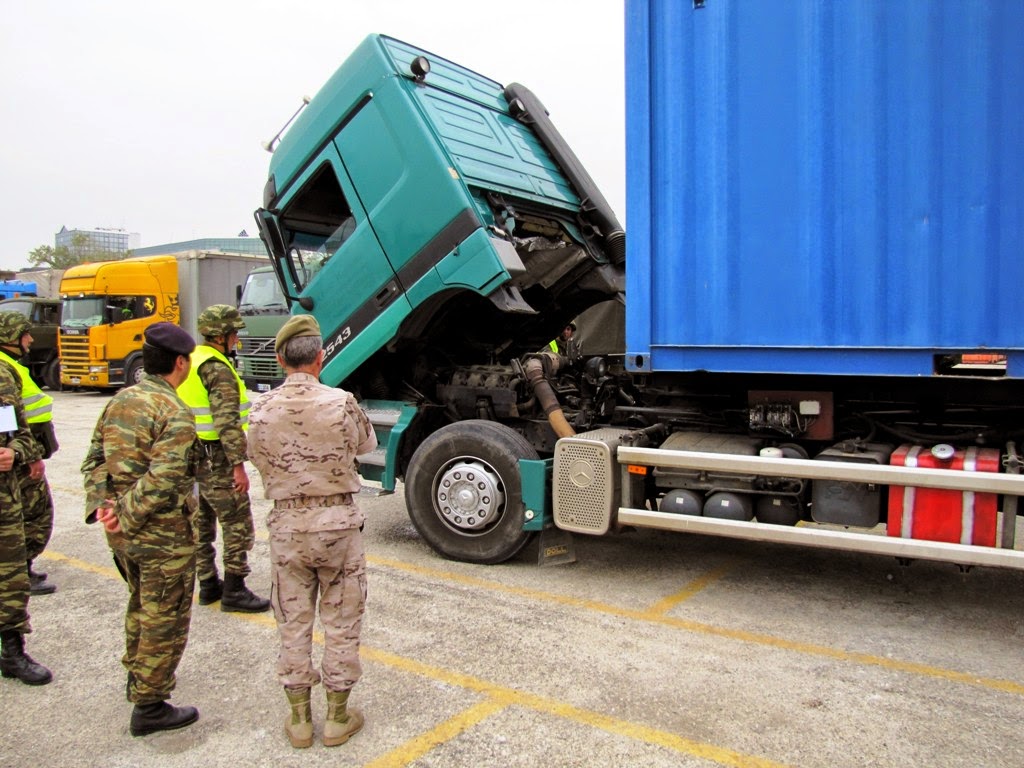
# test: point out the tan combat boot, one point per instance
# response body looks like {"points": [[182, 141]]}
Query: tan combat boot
{"points": [[299, 725], [342, 723]]}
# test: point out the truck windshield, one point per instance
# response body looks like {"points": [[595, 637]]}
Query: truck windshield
{"points": [[83, 312], [262, 295], [25, 307]]}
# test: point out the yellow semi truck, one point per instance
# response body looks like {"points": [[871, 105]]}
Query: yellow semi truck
{"points": [[107, 306]]}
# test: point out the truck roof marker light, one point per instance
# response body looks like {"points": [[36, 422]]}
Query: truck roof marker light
{"points": [[420, 68], [271, 145]]}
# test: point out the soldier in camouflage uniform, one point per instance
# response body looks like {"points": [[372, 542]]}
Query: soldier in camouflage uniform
{"points": [[139, 475], [218, 399], [36, 500], [19, 450], [304, 438]]}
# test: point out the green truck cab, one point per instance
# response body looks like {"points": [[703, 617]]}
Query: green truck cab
{"points": [[44, 314], [264, 309], [442, 233]]}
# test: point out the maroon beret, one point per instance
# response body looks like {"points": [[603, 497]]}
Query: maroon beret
{"points": [[170, 337]]}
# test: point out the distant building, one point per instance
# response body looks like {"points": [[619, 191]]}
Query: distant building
{"points": [[224, 244], [100, 240]]}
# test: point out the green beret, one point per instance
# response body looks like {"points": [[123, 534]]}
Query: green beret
{"points": [[299, 325]]}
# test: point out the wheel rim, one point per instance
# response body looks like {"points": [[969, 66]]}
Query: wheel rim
{"points": [[469, 495]]}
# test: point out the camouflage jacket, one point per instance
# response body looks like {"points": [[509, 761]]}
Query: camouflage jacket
{"points": [[222, 387], [144, 455], [22, 441], [304, 438]]}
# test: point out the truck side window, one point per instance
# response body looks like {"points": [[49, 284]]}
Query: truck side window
{"points": [[315, 224], [121, 308]]}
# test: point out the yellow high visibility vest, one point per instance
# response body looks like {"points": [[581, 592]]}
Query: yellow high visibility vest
{"points": [[37, 404], [197, 398]]}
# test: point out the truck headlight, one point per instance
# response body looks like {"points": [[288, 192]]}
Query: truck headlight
{"points": [[97, 369]]}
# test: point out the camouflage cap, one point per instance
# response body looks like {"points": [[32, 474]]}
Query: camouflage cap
{"points": [[219, 320], [299, 325], [170, 337], [13, 325]]}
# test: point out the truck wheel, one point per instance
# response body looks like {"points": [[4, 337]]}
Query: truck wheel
{"points": [[133, 373], [463, 491], [51, 375]]}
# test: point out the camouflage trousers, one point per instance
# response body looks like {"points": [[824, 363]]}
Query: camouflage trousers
{"points": [[156, 623], [218, 502], [13, 573], [333, 565], [37, 508]]}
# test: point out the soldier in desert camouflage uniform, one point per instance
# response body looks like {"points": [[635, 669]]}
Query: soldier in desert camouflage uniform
{"points": [[139, 475], [36, 500], [217, 397], [19, 450], [304, 438]]}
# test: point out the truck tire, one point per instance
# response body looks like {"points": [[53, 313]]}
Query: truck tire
{"points": [[51, 375], [464, 493], [133, 373]]}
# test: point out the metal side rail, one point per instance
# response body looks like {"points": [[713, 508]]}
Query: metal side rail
{"points": [[961, 554]]}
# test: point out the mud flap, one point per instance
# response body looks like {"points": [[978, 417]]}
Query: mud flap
{"points": [[555, 547]]}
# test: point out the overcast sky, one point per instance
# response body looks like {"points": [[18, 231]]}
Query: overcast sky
{"points": [[148, 116]]}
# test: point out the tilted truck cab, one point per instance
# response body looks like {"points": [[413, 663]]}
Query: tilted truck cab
{"points": [[414, 211]]}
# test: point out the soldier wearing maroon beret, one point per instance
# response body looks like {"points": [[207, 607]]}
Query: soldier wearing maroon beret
{"points": [[139, 474]]}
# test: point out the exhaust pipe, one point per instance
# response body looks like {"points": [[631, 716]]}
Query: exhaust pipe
{"points": [[534, 369]]}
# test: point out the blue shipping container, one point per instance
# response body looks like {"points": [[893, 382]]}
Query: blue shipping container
{"points": [[824, 187]]}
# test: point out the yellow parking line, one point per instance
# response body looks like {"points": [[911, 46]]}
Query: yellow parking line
{"points": [[446, 731], [697, 585], [909, 667], [498, 698], [512, 697], [103, 570]]}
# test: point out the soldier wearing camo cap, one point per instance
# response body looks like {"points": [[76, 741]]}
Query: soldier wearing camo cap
{"points": [[218, 399], [36, 499], [140, 470], [20, 451], [304, 438]]}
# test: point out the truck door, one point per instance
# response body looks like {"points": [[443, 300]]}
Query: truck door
{"points": [[334, 257]]}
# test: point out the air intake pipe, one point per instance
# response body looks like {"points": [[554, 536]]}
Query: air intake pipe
{"points": [[525, 107], [534, 370]]}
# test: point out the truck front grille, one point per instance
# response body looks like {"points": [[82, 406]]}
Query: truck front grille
{"points": [[74, 355]]}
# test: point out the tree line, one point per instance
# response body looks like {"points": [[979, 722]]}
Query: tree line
{"points": [[80, 251]]}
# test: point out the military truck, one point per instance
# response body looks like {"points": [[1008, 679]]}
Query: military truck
{"points": [[44, 314]]}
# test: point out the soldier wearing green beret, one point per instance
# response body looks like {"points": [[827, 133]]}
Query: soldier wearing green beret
{"points": [[215, 393], [304, 439]]}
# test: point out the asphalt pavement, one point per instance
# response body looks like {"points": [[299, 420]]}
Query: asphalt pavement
{"points": [[654, 649]]}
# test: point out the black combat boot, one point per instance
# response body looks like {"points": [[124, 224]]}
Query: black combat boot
{"points": [[210, 590], [14, 662], [38, 585], [160, 716], [238, 598]]}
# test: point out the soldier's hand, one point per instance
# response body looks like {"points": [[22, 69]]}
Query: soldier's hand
{"points": [[241, 479], [37, 469], [6, 459], [106, 516]]}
